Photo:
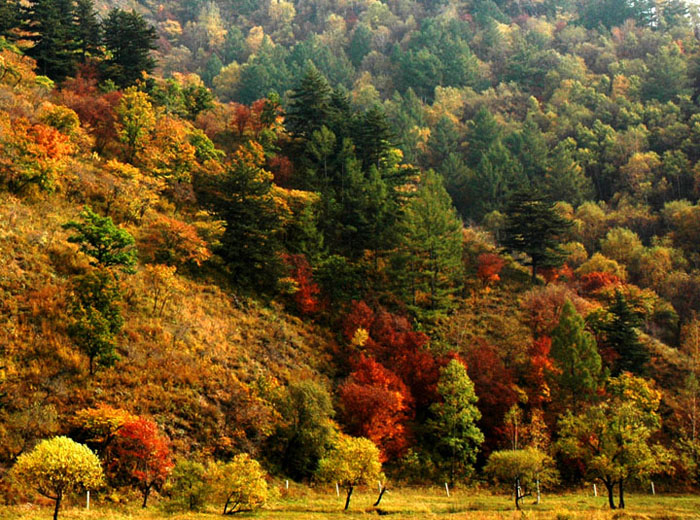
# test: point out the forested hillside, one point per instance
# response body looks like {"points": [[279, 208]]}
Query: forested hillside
{"points": [[455, 228]]}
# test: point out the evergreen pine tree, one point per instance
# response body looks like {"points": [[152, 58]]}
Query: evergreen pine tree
{"points": [[87, 30], [430, 252], [373, 137], [620, 334], [576, 357], [309, 104], [50, 25], [128, 40], [9, 17], [533, 227], [241, 196]]}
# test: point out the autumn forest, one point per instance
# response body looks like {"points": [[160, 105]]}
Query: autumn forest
{"points": [[414, 242]]}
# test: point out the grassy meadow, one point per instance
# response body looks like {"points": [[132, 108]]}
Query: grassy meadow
{"points": [[400, 503]]}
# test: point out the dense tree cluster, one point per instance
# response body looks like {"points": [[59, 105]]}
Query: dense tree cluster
{"points": [[465, 233]]}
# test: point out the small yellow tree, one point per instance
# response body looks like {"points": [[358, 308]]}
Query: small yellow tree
{"points": [[353, 461], [240, 484], [58, 466]]}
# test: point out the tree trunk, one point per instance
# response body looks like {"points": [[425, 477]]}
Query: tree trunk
{"points": [[621, 503], [347, 499], [57, 506], [610, 487], [517, 494], [534, 273], [146, 492], [381, 494]]}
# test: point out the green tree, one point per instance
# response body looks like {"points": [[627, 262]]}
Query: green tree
{"points": [[87, 30], [431, 245], [309, 104], [241, 195], [95, 317], [521, 469], [620, 334], [352, 461], [9, 17], [107, 245], [188, 486], [613, 438], [360, 44], [533, 227], [667, 77], [307, 428], [240, 484], [454, 435], [128, 40], [576, 357], [50, 27], [57, 467], [136, 120]]}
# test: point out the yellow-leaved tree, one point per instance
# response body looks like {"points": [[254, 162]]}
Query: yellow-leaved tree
{"points": [[57, 467], [353, 461], [240, 483]]}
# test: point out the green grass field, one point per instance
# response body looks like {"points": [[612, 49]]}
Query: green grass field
{"points": [[400, 503]]}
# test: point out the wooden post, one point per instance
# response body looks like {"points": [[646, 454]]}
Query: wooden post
{"points": [[595, 490], [337, 489], [447, 490]]}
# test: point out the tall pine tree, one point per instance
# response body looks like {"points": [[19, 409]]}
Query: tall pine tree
{"points": [[51, 29], [576, 358], [128, 40], [533, 227]]}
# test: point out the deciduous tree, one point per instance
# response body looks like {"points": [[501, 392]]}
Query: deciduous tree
{"points": [[454, 435], [140, 456], [57, 467], [240, 484], [353, 461], [613, 437]]}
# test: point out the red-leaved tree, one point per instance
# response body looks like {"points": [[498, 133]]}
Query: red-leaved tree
{"points": [[306, 296], [140, 457], [376, 405], [489, 267], [494, 385]]}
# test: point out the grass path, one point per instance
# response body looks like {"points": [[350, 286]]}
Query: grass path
{"points": [[399, 504]]}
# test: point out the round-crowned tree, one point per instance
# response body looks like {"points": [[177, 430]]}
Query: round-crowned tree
{"points": [[240, 484], [57, 467]]}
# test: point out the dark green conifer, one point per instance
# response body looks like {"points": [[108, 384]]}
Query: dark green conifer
{"points": [[128, 40], [533, 227]]}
